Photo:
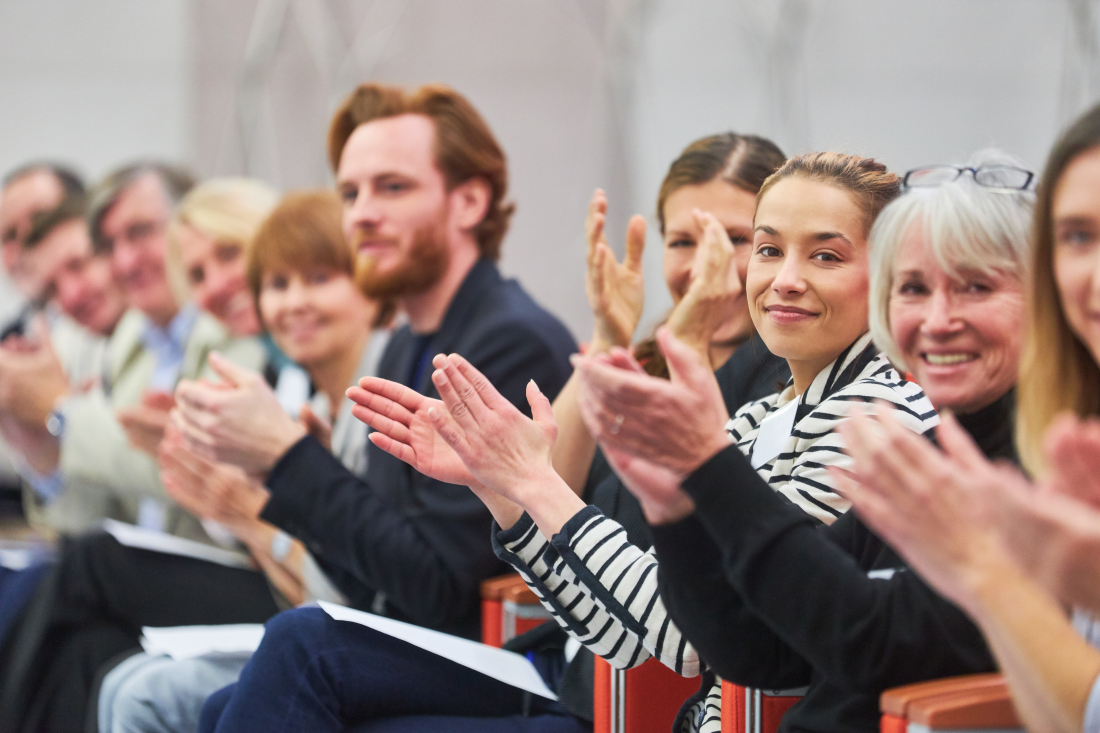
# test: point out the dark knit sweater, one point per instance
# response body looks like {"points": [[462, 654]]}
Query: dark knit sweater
{"points": [[772, 599]]}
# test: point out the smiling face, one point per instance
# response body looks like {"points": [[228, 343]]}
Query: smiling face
{"points": [[215, 272], [395, 205], [733, 207], [134, 232], [30, 194], [314, 316], [808, 278], [1076, 218], [63, 268], [960, 337]]}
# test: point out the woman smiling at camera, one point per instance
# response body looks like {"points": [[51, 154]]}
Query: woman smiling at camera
{"points": [[807, 285]]}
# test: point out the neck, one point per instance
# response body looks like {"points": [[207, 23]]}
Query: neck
{"points": [[333, 376], [721, 351], [425, 310], [163, 315], [804, 372]]}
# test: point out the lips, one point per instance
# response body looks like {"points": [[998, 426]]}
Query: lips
{"points": [[787, 314]]}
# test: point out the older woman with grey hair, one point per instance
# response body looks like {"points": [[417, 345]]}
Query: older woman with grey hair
{"points": [[948, 263]]}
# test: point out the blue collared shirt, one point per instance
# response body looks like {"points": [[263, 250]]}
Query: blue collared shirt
{"points": [[167, 344]]}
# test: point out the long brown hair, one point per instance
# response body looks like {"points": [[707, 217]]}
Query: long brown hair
{"points": [[744, 161], [465, 147], [1057, 372]]}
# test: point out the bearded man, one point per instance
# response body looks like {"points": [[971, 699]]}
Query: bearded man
{"points": [[423, 183]]}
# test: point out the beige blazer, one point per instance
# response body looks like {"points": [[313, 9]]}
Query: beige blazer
{"points": [[105, 477]]}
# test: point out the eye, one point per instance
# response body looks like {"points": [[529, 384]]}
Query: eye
{"points": [[195, 275], [393, 186], [912, 288], [319, 277], [227, 252], [1075, 237], [348, 194], [977, 287], [738, 239], [678, 243], [826, 257], [276, 282], [768, 250]]}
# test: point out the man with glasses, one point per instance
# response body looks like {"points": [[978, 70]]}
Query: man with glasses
{"points": [[82, 468]]}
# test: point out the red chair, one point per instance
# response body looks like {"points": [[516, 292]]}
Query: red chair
{"points": [[644, 699], [749, 710], [966, 703], [508, 609]]}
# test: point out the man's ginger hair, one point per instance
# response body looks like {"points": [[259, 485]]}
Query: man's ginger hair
{"points": [[464, 145]]}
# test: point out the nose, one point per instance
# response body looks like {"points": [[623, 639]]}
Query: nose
{"points": [[124, 260], [939, 319], [363, 213], [217, 289], [789, 280]]}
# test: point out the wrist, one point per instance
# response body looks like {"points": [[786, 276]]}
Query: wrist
{"points": [[549, 501], [676, 508]]}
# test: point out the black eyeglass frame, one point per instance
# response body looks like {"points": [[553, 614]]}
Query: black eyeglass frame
{"points": [[905, 185]]}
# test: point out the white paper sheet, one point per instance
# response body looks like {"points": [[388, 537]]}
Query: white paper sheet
{"points": [[146, 539], [187, 642], [508, 667]]}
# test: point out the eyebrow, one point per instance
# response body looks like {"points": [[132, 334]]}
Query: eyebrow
{"points": [[826, 236], [767, 230], [1075, 221]]}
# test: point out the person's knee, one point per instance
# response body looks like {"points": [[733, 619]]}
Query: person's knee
{"points": [[300, 627]]}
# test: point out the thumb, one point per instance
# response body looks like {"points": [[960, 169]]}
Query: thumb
{"points": [[227, 370], [635, 242], [683, 362], [542, 412]]}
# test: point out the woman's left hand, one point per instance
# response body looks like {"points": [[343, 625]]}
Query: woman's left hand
{"points": [[677, 423], [656, 488]]}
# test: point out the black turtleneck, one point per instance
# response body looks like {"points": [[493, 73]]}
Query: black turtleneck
{"points": [[772, 599]]}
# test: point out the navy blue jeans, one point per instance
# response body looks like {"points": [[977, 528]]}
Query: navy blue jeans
{"points": [[312, 673]]}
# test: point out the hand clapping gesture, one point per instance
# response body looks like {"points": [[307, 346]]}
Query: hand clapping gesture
{"points": [[616, 291]]}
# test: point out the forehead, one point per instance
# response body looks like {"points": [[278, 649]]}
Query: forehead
{"points": [[1078, 189], [142, 200], [192, 243], [403, 144], [71, 237], [35, 191], [797, 206], [731, 205]]}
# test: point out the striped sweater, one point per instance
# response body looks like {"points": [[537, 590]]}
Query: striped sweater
{"points": [[603, 590]]}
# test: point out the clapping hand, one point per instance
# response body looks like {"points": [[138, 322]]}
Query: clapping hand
{"points": [[616, 291], [239, 422], [715, 287]]}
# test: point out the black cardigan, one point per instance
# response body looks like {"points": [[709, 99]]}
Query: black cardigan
{"points": [[398, 535], [772, 599]]}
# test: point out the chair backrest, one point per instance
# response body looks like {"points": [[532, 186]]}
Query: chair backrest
{"points": [[644, 699], [979, 702], [508, 608], [751, 710]]}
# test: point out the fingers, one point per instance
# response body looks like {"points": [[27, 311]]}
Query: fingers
{"points": [[635, 243], [199, 396], [594, 223], [621, 358], [484, 388], [230, 372], [410, 399], [683, 362], [157, 400], [397, 449], [452, 400], [393, 429], [464, 388], [448, 428], [958, 444]]}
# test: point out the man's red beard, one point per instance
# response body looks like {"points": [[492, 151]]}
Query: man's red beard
{"points": [[420, 267]]}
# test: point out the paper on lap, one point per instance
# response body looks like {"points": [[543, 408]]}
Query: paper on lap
{"points": [[188, 642], [508, 667], [147, 539]]}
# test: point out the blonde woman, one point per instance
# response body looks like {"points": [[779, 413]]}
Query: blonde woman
{"points": [[1011, 554]]}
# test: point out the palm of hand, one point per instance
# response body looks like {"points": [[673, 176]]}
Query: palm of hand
{"points": [[616, 299], [433, 456]]}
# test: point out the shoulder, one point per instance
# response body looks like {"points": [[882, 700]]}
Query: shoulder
{"points": [[881, 381]]}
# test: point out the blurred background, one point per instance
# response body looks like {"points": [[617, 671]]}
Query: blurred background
{"points": [[581, 93]]}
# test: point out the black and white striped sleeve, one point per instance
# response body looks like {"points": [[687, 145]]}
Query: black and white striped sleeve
{"points": [[600, 588]]}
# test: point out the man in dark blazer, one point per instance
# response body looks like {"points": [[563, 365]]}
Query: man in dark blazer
{"points": [[423, 183]]}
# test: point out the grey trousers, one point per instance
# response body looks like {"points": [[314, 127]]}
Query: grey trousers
{"points": [[157, 694]]}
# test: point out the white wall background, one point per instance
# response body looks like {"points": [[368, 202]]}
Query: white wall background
{"points": [[582, 93]]}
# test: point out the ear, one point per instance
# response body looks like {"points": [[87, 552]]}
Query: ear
{"points": [[470, 203]]}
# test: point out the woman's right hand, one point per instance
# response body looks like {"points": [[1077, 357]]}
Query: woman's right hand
{"points": [[616, 291], [714, 289]]}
